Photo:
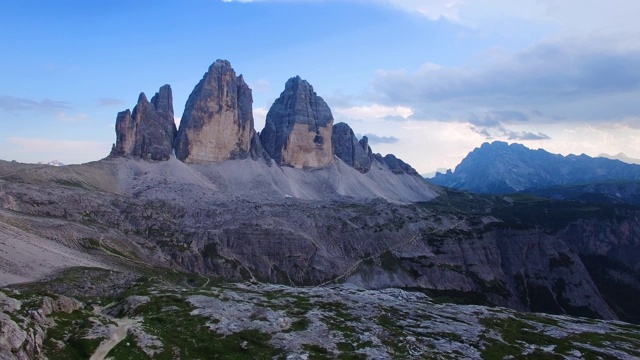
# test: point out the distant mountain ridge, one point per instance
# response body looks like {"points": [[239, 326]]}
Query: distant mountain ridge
{"points": [[500, 168], [620, 156]]}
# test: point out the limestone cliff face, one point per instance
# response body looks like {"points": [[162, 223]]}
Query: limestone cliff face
{"points": [[347, 147], [147, 132], [298, 127], [217, 123]]}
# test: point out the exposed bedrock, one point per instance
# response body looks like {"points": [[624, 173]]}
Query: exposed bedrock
{"points": [[217, 123], [298, 127], [147, 132]]}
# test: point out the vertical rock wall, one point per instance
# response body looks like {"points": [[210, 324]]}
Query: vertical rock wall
{"points": [[347, 147], [298, 127], [149, 131], [217, 123]]}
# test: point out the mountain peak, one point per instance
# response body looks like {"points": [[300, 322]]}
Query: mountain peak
{"points": [[217, 123], [147, 132], [298, 127], [501, 168]]}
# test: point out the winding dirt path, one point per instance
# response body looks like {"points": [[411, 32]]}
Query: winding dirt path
{"points": [[119, 335], [123, 326]]}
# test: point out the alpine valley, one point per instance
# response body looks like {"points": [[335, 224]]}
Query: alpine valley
{"points": [[213, 240]]}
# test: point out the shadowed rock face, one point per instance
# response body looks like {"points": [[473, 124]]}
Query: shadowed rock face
{"points": [[502, 168], [358, 154], [217, 123], [347, 147], [298, 127], [398, 166], [149, 131]]}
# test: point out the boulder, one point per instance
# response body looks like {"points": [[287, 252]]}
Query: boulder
{"points": [[298, 128]]}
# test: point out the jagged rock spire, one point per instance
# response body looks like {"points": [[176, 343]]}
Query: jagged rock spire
{"points": [[149, 131], [347, 147]]}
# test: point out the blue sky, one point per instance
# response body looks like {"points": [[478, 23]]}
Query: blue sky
{"points": [[427, 80]]}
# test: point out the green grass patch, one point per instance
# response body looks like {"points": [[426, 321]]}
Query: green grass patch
{"points": [[127, 349], [187, 336], [70, 332], [299, 325], [317, 352]]}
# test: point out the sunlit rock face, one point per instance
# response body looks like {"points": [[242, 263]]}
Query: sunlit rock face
{"points": [[217, 123], [298, 127]]}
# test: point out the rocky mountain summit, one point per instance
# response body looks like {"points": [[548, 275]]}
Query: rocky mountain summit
{"points": [[217, 123], [349, 149], [500, 168], [149, 131], [298, 127]]}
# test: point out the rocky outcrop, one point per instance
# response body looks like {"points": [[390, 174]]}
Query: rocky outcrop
{"points": [[49, 306], [364, 143], [347, 147], [147, 132], [298, 127], [257, 151], [217, 123], [398, 166], [22, 337], [358, 154]]}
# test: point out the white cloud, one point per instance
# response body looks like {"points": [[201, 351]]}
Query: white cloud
{"points": [[259, 117], [108, 101], [431, 9], [373, 112], [592, 139], [261, 85], [71, 118], [596, 78], [377, 139], [67, 151], [569, 16], [47, 106], [429, 145]]}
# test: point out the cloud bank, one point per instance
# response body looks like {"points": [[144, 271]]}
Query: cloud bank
{"points": [[594, 80], [546, 73], [16, 104], [376, 139]]}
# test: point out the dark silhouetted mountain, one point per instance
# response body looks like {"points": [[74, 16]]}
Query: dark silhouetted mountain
{"points": [[500, 168], [347, 147]]}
